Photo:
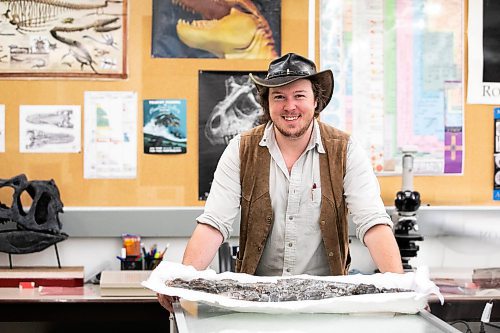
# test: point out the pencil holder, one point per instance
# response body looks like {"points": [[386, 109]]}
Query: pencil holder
{"points": [[151, 264], [131, 265]]}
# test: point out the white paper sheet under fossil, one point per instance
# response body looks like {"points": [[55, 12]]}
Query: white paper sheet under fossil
{"points": [[401, 302]]}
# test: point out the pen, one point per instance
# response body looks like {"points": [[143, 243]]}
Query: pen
{"points": [[153, 250], [165, 250]]}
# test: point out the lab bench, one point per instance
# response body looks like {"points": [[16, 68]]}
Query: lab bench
{"points": [[85, 310], [78, 310]]}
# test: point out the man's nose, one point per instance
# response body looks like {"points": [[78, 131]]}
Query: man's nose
{"points": [[289, 104]]}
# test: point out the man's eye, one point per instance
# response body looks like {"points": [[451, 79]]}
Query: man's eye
{"points": [[277, 97]]}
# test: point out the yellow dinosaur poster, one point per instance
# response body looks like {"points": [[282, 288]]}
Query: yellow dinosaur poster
{"points": [[227, 29]]}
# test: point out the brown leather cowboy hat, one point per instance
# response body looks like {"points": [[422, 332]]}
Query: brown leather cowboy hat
{"points": [[292, 67]]}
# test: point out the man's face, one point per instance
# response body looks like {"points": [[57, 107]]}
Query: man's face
{"points": [[291, 108]]}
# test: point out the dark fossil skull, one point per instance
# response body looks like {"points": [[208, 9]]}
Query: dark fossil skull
{"points": [[35, 229]]}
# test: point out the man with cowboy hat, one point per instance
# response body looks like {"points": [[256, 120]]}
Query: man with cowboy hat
{"points": [[292, 181]]}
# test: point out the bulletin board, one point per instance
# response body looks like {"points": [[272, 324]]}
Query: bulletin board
{"points": [[172, 180]]}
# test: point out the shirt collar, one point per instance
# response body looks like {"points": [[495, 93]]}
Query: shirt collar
{"points": [[269, 139]]}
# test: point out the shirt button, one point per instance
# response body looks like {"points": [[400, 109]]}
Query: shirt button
{"points": [[288, 270], [290, 218], [322, 222], [330, 254], [290, 244], [268, 219], [259, 248]]}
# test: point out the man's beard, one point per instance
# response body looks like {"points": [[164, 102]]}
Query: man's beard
{"points": [[293, 135]]}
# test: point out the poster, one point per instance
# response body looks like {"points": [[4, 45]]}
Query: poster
{"points": [[198, 29], [496, 154], [49, 129], [227, 107], [398, 74], [110, 136], [483, 84], [68, 38], [164, 126]]}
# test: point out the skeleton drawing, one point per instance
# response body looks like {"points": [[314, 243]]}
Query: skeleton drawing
{"points": [[38, 138], [38, 227], [61, 118], [38, 14], [237, 112], [78, 25], [107, 39]]}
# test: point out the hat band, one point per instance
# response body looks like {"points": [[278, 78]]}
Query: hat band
{"points": [[287, 73]]}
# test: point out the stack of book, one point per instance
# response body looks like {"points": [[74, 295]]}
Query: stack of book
{"points": [[488, 278], [42, 276], [124, 283]]}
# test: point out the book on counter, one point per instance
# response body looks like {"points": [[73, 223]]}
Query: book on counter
{"points": [[71, 276], [124, 283]]}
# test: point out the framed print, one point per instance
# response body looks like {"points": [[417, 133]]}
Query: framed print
{"points": [[70, 38]]}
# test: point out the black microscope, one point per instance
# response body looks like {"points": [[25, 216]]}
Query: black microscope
{"points": [[407, 203]]}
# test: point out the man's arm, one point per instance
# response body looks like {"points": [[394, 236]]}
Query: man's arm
{"points": [[383, 248], [202, 246], [199, 253]]}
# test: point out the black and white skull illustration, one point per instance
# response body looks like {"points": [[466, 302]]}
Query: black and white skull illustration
{"points": [[237, 112]]}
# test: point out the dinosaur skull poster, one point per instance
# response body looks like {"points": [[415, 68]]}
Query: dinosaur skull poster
{"points": [[67, 38], [243, 29], [227, 106]]}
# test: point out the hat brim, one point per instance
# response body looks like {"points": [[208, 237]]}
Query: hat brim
{"points": [[325, 79]]}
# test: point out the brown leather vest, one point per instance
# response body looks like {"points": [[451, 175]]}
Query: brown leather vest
{"points": [[257, 213]]}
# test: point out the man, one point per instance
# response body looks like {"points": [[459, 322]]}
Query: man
{"points": [[293, 179]]}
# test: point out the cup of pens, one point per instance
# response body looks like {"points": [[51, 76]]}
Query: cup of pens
{"points": [[153, 257]]}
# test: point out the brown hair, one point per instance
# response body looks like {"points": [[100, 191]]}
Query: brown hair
{"points": [[318, 92]]}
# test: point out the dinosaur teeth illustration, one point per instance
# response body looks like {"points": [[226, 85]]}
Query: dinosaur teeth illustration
{"points": [[233, 29]]}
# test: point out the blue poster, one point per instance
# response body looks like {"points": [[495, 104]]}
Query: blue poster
{"points": [[165, 126]]}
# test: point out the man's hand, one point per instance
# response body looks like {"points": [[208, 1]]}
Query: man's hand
{"points": [[166, 301]]}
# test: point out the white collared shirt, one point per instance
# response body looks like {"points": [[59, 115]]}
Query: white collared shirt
{"points": [[294, 245]]}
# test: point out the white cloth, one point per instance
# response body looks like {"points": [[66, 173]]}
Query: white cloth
{"points": [[402, 302], [294, 245]]}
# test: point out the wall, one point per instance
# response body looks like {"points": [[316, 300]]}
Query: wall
{"points": [[173, 180], [170, 180], [177, 78]]}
